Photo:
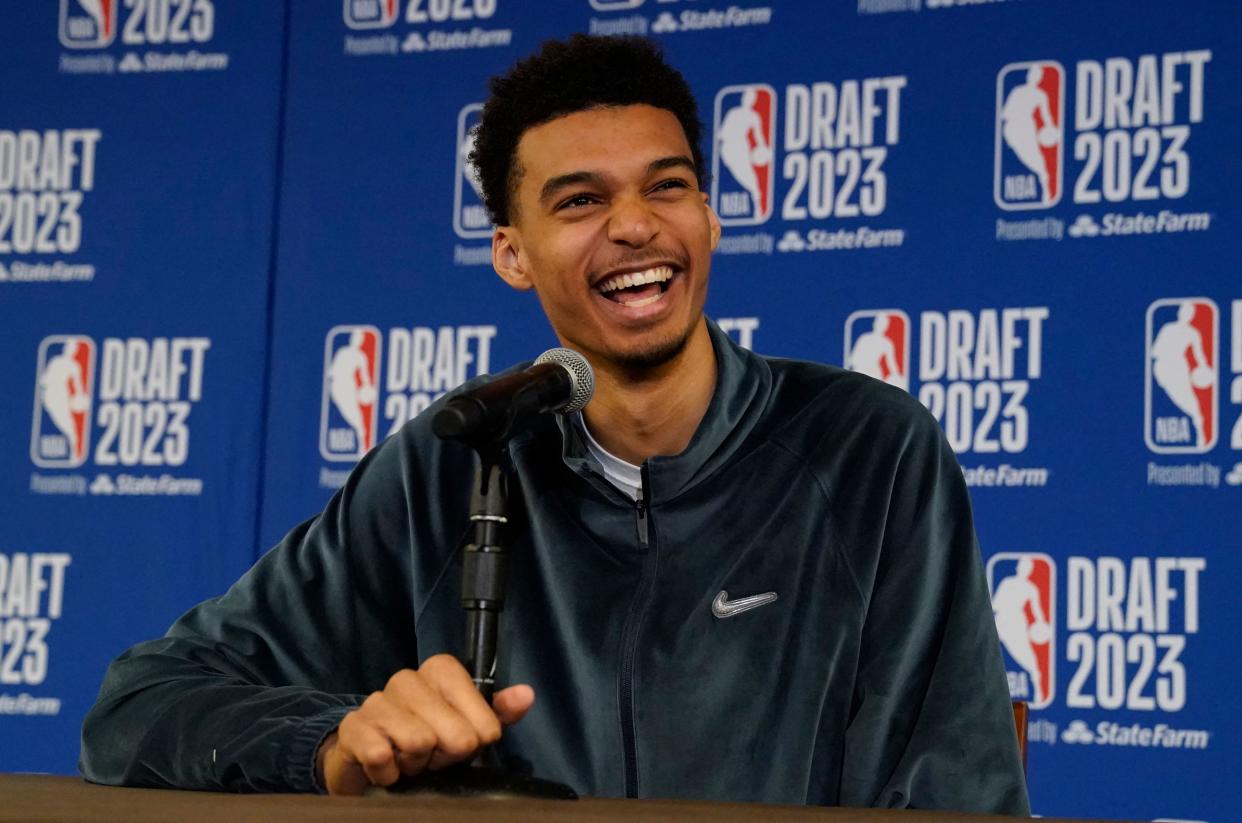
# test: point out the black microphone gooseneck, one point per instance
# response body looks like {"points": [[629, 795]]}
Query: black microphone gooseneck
{"points": [[485, 418]]}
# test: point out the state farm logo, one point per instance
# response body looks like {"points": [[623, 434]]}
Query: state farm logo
{"points": [[744, 129], [1181, 390], [1123, 136], [877, 344], [470, 218], [1023, 587], [374, 383], [697, 18], [1030, 135], [1137, 735], [350, 377], [141, 400], [64, 386], [87, 24], [370, 14], [835, 138], [818, 153]]}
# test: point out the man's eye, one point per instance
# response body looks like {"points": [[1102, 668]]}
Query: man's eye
{"points": [[671, 183], [576, 201]]}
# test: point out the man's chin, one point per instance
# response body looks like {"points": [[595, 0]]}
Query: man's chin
{"points": [[652, 355]]}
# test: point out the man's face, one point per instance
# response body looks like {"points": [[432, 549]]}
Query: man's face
{"points": [[612, 232]]}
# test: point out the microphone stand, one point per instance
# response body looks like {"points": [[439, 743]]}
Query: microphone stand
{"points": [[485, 575]]}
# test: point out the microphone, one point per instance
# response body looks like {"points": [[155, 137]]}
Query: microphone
{"points": [[560, 381]]}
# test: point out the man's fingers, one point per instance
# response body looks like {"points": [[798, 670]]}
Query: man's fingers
{"points": [[513, 703], [361, 744], [456, 738], [453, 682], [412, 737], [425, 719], [412, 764]]}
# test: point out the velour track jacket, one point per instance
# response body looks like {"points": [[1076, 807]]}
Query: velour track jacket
{"points": [[873, 678]]}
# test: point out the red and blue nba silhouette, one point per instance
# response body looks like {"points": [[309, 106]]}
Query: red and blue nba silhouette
{"points": [[370, 14], [351, 371], [1030, 135], [1024, 603], [88, 23], [470, 217], [743, 145], [1181, 375], [63, 394], [877, 344]]}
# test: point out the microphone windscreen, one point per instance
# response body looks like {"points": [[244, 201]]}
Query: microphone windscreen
{"points": [[580, 373]]}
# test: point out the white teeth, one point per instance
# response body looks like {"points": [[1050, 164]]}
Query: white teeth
{"points": [[659, 274], [646, 301]]}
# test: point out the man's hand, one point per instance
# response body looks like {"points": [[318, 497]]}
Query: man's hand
{"points": [[424, 719]]}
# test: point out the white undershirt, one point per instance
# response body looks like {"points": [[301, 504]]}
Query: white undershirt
{"points": [[627, 477]]}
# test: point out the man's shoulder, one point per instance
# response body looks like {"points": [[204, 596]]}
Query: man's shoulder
{"points": [[815, 405], [820, 389]]}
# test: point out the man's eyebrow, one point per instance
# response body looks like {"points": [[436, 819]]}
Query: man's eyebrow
{"points": [[559, 182], [573, 178], [676, 161]]}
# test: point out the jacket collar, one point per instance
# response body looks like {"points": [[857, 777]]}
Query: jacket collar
{"points": [[743, 384]]}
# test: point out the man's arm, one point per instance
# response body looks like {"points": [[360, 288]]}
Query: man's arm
{"points": [[933, 724], [242, 691]]}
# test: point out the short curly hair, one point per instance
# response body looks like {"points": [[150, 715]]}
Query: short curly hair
{"points": [[563, 77]]}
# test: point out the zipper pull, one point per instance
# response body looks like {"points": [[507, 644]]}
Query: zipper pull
{"points": [[642, 523], [641, 504]]}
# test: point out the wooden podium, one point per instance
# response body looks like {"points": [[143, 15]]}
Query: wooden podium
{"points": [[44, 799]]}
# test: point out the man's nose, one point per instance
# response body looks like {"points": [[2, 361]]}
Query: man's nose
{"points": [[632, 222]]}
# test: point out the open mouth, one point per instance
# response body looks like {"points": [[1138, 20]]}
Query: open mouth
{"points": [[637, 289]]}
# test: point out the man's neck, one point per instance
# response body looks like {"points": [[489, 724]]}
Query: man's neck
{"points": [[640, 415]]}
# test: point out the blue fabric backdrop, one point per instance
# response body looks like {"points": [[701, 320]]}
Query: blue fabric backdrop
{"points": [[1022, 212]]}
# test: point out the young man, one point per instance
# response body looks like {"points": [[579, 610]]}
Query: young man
{"points": [[734, 578]]}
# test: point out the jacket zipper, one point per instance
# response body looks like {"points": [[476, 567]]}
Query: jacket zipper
{"points": [[630, 647]]}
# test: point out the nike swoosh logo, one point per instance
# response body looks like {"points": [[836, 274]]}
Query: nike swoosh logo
{"points": [[723, 607]]}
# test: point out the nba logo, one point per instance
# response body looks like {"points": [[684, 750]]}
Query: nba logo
{"points": [[1030, 135], [64, 384], [370, 14], [470, 219], [350, 397], [1024, 602], [743, 171], [877, 344], [1181, 376], [87, 24]]}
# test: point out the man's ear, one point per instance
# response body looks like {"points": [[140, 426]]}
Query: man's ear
{"points": [[713, 221], [507, 258]]}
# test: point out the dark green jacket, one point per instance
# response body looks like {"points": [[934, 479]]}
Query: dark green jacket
{"points": [[874, 679]]}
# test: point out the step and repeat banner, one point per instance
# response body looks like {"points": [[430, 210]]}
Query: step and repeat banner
{"points": [[240, 246], [138, 167]]}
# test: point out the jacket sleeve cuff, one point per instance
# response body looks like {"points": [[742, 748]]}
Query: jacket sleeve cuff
{"points": [[299, 766]]}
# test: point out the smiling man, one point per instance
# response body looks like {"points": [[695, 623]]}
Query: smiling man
{"points": [[732, 578], [611, 231]]}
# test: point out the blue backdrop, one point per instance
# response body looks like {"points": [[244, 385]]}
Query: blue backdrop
{"points": [[1018, 211]]}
